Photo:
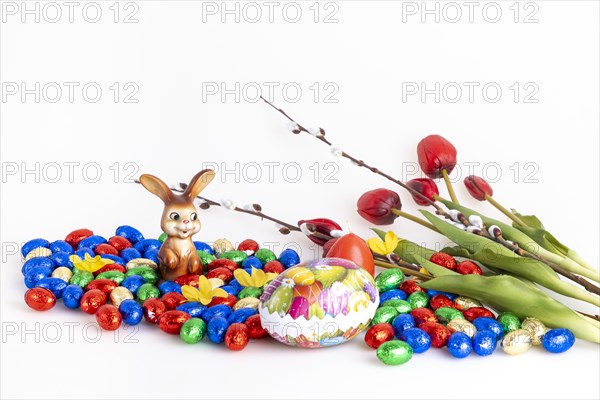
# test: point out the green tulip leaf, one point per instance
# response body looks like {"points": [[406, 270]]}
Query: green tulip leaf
{"points": [[551, 252], [506, 293], [494, 255]]}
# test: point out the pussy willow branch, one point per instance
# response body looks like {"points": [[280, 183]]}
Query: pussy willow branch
{"points": [[256, 212], [439, 210], [360, 163]]}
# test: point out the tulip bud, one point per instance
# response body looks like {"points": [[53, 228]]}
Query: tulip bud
{"points": [[436, 154], [376, 206], [319, 229], [425, 186], [478, 187]]}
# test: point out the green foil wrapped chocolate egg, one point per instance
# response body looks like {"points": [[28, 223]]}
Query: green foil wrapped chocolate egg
{"points": [[193, 330], [401, 306], [149, 274], [384, 314], [116, 276], [147, 291], [81, 278], [509, 321], [265, 255], [389, 279], [394, 352], [418, 300], [250, 292], [234, 255], [447, 314]]}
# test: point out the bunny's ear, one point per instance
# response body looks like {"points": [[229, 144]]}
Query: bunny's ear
{"points": [[198, 183], [158, 187]]}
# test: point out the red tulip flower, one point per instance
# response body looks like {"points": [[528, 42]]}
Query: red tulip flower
{"points": [[320, 230], [426, 187], [478, 187], [377, 206], [481, 190], [436, 154]]}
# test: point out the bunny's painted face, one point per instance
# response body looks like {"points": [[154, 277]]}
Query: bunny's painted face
{"points": [[181, 222]]}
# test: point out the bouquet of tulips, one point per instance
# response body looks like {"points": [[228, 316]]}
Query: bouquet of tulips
{"points": [[502, 264]]}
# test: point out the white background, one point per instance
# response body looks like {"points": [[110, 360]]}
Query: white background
{"points": [[373, 51]]}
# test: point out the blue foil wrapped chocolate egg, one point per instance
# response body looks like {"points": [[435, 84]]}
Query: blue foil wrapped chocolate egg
{"points": [[201, 246], [417, 338], [241, 315], [460, 345], [115, 259], [91, 242], [72, 296], [402, 322], [61, 259], [60, 246], [168, 287], [193, 308], [394, 294], [38, 262], [152, 254], [484, 343], [289, 258], [129, 233], [36, 274], [251, 262], [131, 311], [55, 285], [489, 324], [216, 329], [220, 310], [147, 244], [82, 252], [558, 340], [34, 244], [133, 283], [130, 254]]}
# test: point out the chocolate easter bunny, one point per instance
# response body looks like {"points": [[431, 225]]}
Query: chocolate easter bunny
{"points": [[177, 255]]}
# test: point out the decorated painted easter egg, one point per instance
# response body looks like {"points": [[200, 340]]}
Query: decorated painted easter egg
{"points": [[320, 303]]}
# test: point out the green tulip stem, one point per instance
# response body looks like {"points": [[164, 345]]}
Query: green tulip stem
{"points": [[505, 211], [407, 271], [413, 218], [449, 186]]}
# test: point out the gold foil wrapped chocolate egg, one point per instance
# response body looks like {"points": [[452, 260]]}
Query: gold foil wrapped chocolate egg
{"points": [[462, 325], [120, 294], [222, 245], [517, 342], [63, 273], [38, 252], [247, 302], [464, 303], [141, 262], [536, 329], [216, 282]]}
